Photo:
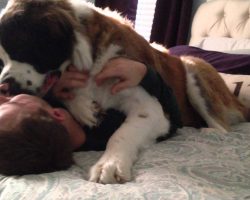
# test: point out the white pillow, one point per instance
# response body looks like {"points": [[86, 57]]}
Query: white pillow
{"points": [[239, 85], [224, 44]]}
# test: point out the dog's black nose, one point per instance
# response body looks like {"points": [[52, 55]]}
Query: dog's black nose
{"points": [[13, 86]]}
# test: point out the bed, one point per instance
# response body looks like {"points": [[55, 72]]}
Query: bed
{"points": [[196, 163]]}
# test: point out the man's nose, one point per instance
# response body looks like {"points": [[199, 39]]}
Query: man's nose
{"points": [[4, 89]]}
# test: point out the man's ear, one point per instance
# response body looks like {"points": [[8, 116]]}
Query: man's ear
{"points": [[57, 113]]}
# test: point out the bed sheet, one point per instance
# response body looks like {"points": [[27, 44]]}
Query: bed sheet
{"points": [[195, 164]]}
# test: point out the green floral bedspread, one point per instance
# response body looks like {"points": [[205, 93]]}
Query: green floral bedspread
{"points": [[196, 164]]}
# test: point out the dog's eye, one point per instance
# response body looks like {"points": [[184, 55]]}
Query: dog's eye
{"points": [[1, 65]]}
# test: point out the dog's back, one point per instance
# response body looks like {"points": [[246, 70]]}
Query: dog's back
{"points": [[174, 71]]}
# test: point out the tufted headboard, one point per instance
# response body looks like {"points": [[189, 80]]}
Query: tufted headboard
{"points": [[221, 18]]}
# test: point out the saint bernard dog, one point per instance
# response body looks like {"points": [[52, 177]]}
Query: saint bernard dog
{"points": [[38, 37]]}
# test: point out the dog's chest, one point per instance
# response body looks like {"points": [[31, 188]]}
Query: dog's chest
{"points": [[91, 101]]}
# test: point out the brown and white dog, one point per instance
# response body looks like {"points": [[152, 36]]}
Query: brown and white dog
{"points": [[40, 36]]}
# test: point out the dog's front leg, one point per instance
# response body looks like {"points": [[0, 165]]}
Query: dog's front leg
{"points": [[144, 123], [115, 164]]}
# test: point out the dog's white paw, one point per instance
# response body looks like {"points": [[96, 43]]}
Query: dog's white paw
{"points": [[89, 114], [111, 170], [84, 110]]}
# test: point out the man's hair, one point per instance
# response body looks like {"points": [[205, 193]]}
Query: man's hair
{"points": [[38, 144]]}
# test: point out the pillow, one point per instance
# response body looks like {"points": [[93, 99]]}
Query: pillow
{"points": [[224, 44], [238, 51], [239, 85], [223, 62]]}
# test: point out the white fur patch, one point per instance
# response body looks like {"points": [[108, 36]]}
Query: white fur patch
{"points": [[82, 53], [108, 54]]}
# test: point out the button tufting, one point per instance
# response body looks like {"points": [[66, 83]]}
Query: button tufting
{"points": [[204, 34], [221, 14], [229, 19], [246, 15]]}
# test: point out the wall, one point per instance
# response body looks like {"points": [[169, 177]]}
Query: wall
{"points": [[196, 4], [3, 3]]}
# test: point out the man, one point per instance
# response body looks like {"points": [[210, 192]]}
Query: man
{"points": [[36, 137]]}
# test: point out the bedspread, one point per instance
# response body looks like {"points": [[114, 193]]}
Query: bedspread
{"points": [[195, 164]]}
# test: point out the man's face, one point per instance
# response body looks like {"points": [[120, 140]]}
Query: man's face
{"points": [[14, 109]]}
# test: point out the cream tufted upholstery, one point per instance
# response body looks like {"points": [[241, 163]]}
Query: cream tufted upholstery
{"points": [[221, 18]]}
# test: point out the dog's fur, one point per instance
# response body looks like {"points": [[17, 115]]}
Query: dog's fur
{"points": [[50, 34]]}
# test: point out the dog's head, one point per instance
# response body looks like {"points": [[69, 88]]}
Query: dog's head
{"points": [[37, 37]]}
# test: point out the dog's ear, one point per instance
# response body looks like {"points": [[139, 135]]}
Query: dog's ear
{"points": [[81, 57]]}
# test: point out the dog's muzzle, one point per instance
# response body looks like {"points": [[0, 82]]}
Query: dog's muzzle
{"points": [[13, 87]]}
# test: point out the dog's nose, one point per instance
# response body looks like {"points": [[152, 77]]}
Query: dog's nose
{"points": [[13, 86]]}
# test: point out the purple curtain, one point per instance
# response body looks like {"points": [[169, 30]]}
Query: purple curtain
{"points": [[126, 7], [171, 22]]}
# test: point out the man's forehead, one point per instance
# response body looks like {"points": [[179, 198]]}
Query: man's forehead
{"points": [[9, 120]]}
